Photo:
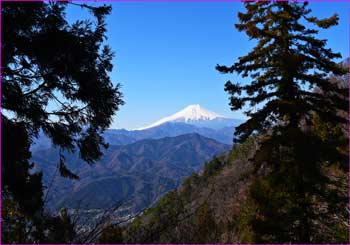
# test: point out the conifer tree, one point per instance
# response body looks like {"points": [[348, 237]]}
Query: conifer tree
{"points": [[55, 80], [286, 67]]}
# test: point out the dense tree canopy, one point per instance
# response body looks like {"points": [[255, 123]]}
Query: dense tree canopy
{"points": [[287, 67], [55, 80]]}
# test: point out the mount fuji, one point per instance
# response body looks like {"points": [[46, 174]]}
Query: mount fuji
{"points": [[191, 119], [197, 116]]}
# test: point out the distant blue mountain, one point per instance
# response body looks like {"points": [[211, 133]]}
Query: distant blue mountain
{"points": [[220, 129]]}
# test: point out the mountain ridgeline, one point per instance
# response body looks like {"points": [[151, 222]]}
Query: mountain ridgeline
{"points": [[172, 129], [136, 174], [192, 119]]}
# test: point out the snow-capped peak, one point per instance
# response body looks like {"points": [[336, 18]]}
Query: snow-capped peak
{"points": [[189, 114], [194, 113]]}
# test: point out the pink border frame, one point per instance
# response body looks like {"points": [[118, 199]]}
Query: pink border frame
{"points": [[165, 1]]}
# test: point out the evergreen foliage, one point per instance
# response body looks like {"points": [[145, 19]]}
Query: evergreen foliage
{"points": [[112, 234], [285, 68], [55, 79]]}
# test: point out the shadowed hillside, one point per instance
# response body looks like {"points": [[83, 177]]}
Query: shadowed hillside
{"points": [[136, 174]]}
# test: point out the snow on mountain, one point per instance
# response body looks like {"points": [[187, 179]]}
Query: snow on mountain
{"points": [[190, 114]]}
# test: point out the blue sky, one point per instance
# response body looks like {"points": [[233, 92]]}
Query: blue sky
{"points": [[166, 54]]}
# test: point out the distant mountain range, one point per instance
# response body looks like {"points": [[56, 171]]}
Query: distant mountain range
{"points": [[137, 174], [169, 129], [192, 119]]}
